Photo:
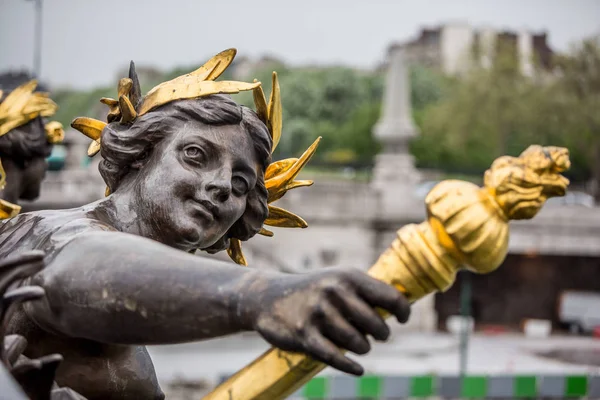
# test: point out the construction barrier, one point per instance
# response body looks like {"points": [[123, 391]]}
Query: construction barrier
{"points": [[450, 387]]}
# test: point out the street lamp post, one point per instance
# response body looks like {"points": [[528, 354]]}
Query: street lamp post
{"points": [[37, 47], [466, 313]]}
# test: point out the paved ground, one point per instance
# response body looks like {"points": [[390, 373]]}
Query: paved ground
{"points": [[408, 354]]}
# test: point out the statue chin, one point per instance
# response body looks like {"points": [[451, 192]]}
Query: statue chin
{"points": [[31, 194]]}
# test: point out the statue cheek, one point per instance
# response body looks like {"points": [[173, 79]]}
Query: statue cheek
{"points": [[233, 210]]}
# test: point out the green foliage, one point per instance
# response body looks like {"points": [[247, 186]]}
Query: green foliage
{"points": [[339, 104], [477, 121], [497, 111], [464, 123], [573, 101], [74, 104]]}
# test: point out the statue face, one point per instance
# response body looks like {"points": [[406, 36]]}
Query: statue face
{"points": [[24, 176], [194, 185]]}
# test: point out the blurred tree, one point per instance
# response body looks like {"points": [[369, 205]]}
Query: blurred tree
{"points": [[478, 120], [342, 105], [575, 101], [321, 102]]}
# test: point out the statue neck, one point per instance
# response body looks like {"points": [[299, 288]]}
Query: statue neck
{"points": [[120, 211]]}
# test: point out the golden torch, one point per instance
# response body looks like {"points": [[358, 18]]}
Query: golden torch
{"points": [[466, 227]]}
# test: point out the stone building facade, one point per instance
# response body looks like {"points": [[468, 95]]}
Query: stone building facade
{"points": [[453, 47]]}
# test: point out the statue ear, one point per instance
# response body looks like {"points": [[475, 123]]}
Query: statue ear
{"points": [[141, 160]]}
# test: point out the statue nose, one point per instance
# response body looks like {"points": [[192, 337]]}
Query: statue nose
{"points": [[219, 190]]}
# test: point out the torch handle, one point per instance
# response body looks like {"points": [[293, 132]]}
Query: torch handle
{"points": [[416, 263]]}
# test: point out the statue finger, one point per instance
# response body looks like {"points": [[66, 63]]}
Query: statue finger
{"points": [[382, 295], [19, 295], [324, 350], [362, 316], [342, 333], [21, 258], [19, 267], [14, 346]]}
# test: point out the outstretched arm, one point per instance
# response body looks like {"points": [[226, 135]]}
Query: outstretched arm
{"points": [[118, 288], [114, 287]]}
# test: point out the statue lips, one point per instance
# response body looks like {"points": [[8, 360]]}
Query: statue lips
{"points": [[206, 209]]}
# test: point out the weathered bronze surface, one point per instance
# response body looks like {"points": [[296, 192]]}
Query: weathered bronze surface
{"points": [[183, 173], [26, 140], [467, 227], [21, 377]]}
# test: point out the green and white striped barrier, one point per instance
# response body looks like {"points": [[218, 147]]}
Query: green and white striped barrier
{"points": [[454, 387], [451, 387]]}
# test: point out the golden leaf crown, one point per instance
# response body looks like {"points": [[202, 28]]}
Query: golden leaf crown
{"points": [[23, 105], [279, 176], [18, 108]]}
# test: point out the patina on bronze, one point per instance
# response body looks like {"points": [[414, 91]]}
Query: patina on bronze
{"points": [[185, 170], [467, 227], [26, 140], [21, 377]]}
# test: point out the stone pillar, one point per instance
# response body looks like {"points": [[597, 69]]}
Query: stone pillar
{"points": [[395, 128], [395, 176]]}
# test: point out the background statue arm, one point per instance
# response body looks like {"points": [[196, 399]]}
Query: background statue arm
{"points": [[118, 288]]}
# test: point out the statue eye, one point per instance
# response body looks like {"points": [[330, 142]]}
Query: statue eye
{"points": [[144, 155], [193, 152], [239, 185]]}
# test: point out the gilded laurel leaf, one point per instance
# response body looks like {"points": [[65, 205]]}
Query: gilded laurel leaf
{"points": [[275, 117], [90, 127], [190, 87], [235, 252], [214, 67], [284, 219], [279, 167]]}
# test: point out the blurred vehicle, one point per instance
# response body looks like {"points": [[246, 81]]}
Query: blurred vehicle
{"points": [[579, 310]]}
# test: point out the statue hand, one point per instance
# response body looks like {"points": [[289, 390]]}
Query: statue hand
{"points": [[321, 312]]}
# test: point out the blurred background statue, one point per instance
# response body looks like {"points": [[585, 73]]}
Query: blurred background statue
{"points": [[26, 139]]}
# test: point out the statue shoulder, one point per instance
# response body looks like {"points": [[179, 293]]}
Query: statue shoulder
{"points": [[47, 230]]}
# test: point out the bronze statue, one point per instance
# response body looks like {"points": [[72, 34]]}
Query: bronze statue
{"points": [[26, 140], [21, 377], [186, 168]]}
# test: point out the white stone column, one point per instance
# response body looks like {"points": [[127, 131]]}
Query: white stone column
{"points": [[525, 52], [395, 128], [456, 47]]}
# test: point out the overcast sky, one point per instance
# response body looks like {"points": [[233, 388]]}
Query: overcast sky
{"points": [[86, 41]]}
